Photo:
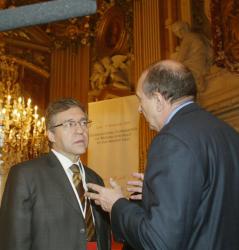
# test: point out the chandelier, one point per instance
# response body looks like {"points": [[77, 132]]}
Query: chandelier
{"points": [[22, 130]]}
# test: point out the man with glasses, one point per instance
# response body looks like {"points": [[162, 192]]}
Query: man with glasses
{"points": [[43, 205]]}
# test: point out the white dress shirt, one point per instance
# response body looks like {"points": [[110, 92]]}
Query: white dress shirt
{"points": [[66, 164]]}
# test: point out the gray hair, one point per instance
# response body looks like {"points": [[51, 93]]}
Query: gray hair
{"points": [[171, 79]]}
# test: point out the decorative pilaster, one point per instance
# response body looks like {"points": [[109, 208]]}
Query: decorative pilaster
{"points": [[70, 73]]}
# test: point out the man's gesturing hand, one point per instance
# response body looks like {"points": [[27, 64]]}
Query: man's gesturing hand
{"points": [[105, 197], [135, 186]]}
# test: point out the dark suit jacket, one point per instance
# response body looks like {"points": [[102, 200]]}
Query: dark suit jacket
{"points": [[190, 191], [39, 209]]}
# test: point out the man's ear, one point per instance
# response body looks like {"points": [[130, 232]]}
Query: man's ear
{"points": [[51, 136], [159, 101]]}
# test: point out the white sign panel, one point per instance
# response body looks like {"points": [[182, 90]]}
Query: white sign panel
{"points": [[114, 138]]}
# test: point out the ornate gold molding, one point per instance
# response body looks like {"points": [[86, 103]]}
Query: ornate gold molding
{"points": [[33, 67], [78, 31]]}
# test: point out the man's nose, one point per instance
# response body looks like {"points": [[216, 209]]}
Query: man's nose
{"points": [[79, 128]]}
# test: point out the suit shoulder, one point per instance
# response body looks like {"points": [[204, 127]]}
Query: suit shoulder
{"points": [[32, 163], [196, 126]]}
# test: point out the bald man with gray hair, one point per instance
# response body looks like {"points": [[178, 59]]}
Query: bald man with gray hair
{"points": [[190, 190]]}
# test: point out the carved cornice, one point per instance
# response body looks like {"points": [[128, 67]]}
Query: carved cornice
{"points": [[27, 55], [31, 35], [24, 44], [33, 67]]}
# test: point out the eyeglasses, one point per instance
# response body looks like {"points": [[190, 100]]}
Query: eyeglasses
{"points": [[84, 124]]}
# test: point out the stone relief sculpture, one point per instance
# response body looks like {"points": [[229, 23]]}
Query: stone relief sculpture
{"points": [[98, 76], [112, 71], [194, 51]]}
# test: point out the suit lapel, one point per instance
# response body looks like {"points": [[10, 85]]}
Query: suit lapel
{"points": [[59, 176], [90, 178], [102, 220]]}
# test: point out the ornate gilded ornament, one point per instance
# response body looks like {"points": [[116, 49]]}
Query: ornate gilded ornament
{"points": [[225, 26], [111, 33], [74, 30]]}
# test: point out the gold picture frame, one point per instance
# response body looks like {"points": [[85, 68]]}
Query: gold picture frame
{"points": [[111, 35]]}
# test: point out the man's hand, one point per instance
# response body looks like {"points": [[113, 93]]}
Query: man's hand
{"points": [[105, 197], [136, 186]]}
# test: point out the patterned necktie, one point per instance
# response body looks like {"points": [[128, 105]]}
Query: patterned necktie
{"points": [[77, 180]]}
